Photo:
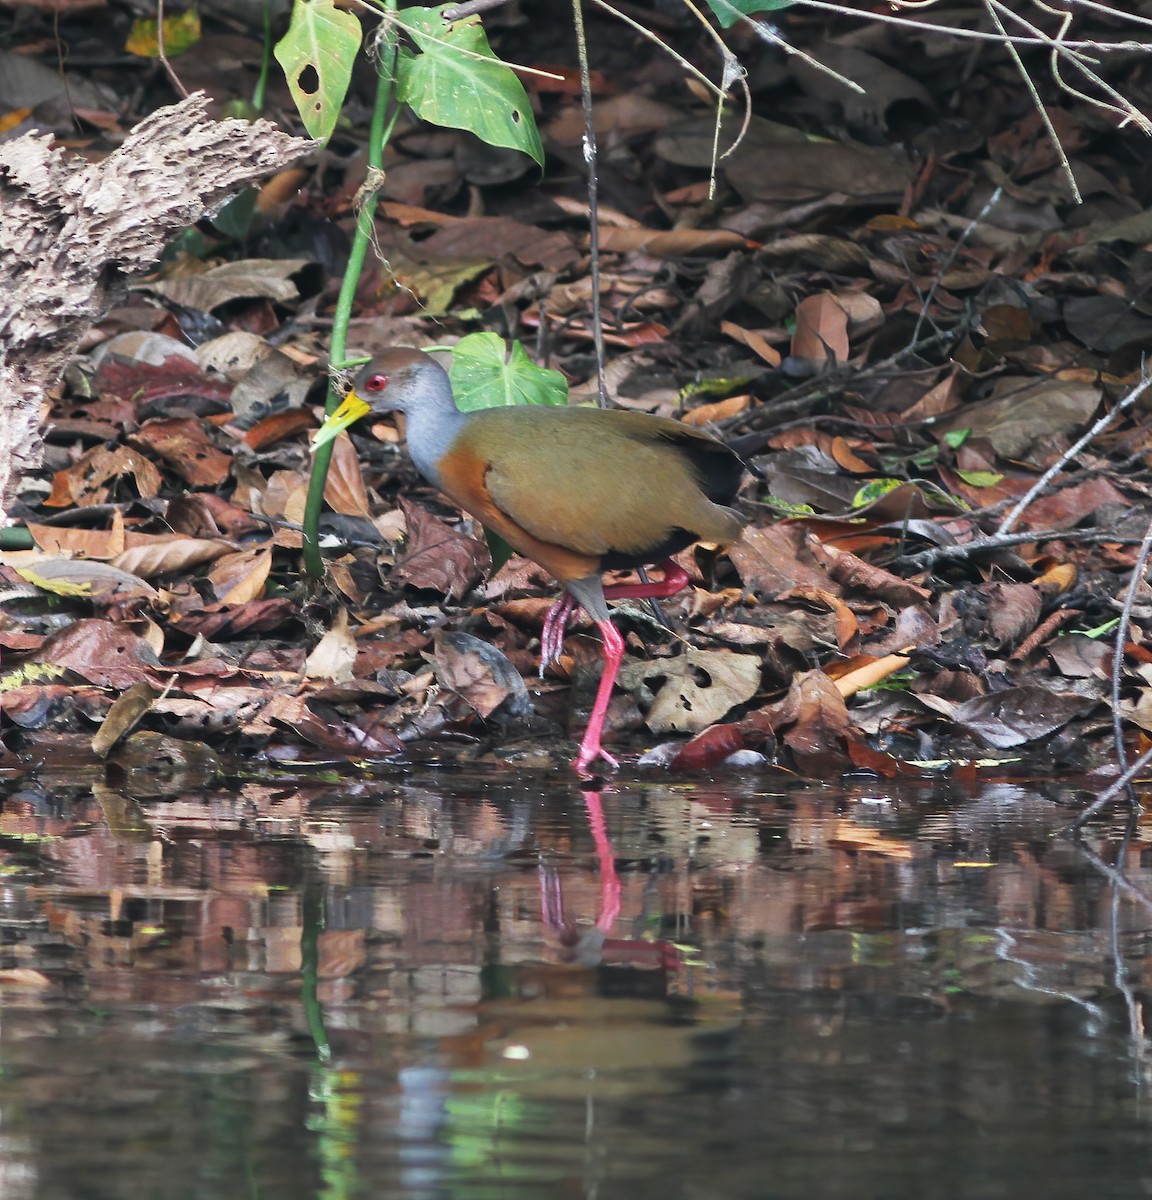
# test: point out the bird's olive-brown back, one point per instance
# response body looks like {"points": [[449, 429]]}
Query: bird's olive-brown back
{"points": [[598, 481]]}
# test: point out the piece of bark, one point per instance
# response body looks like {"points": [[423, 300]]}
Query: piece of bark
{"points": [[73, 232]]}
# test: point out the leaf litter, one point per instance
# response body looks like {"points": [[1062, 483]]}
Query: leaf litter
{"points": [[894, 310]]}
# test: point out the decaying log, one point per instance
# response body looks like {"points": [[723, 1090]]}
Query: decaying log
{"points": [[73, 232]]}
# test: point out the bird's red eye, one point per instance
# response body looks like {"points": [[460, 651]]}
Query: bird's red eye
{"points": [[376, 384]]}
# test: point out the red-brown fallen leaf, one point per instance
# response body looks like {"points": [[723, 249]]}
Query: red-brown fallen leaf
{"points": [[719, 410], [847, 626], [18, 639], [176, 379], [673, 243], [862, 755], [776, 558], [943, 397], [218, 622], [820, 723], [463, 668], [101, 652], [1013, 610], [372, 740], [1069, 506], [29, 705], [821, 329], [277, 427], [754, 341], [206, 515], [854, 574], [185, 446], [711, 747], [382, 653], [86, 481], [88, 543], [438, 557], [344, 490]]}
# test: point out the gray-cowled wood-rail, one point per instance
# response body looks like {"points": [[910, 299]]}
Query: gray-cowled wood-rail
{"points": [[578, 490]]}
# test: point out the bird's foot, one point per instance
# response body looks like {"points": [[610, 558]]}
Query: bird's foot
{"points": [[555, 625], [589, 753]]}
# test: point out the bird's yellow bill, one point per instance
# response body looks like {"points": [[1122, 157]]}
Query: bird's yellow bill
{"points": [[351, 409]]}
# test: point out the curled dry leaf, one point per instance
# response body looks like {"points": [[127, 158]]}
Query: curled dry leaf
{"points": [[87, 480], [334, 654], [754, 341], [170, 556], [125, 714], [83, 577], [240, 576], [344, 490], [481, 674]]}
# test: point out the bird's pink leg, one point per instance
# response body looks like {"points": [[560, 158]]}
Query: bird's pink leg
{"points": [[675, 580], [590, 748], [552, 635]]}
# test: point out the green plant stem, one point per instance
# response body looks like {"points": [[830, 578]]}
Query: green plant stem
{"points": [[260, 91], [377, 139]]}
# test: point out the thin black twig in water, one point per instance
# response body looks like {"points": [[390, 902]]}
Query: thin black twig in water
{"points": [[1107, 797], [1118, 651]]}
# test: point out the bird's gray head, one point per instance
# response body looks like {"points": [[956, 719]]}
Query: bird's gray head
{"points": [[398, 380]]}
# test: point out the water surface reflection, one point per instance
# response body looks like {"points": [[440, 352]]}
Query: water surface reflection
{"points": [[492, 984]]}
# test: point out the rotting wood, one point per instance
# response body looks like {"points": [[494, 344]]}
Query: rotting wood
{"points": [[73, 232]]}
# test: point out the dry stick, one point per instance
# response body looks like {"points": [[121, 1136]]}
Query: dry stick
{"points": [[927, 559], [1108, 10], [181, 90], [1071, 452], [990, 8], [975, 35], [1118, 651], [1123, 107], [810, 393], [460, 11], [971, 228], [593, 198]]}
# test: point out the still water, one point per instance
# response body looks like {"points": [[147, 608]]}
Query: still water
{"points": [[488, 984]]}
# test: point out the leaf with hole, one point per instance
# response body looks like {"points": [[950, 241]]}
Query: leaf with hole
{"points": [[455, 80], [317, 54]]}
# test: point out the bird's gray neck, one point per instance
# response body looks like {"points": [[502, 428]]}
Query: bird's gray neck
{"points": [[433, 425]]}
